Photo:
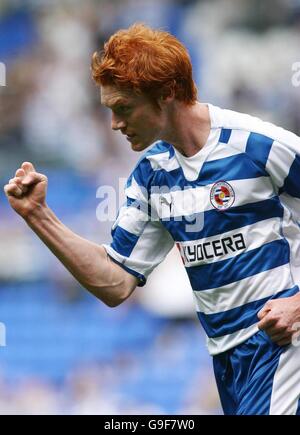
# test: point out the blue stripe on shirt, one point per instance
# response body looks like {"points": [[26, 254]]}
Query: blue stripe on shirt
{"points": [[216, 222], [292, 181], [220, 273], [143, 174], [258, 148], [123, 241], [236, 167], [230, 321], [225, 135], [159, 148]]}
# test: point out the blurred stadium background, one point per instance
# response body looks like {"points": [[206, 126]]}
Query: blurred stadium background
{"points": [[66, 352]]}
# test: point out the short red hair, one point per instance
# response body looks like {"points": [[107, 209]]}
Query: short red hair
{"points": [[148, 61]]}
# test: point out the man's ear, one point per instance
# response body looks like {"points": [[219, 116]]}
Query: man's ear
{"points": [[167, 97]]}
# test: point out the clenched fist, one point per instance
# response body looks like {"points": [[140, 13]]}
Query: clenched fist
{"points": [[279, 318], [27, 190]]}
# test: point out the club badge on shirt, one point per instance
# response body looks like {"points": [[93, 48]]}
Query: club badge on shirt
{"points": [[222, 195]]}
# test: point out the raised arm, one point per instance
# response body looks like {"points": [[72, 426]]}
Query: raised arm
{"points": [[86, 261]]}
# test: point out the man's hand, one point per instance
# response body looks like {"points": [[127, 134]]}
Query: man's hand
{"points": [[27, 190], [278, 318]]}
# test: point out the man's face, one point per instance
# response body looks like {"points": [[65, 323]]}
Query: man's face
{"points": [[135, 115]]}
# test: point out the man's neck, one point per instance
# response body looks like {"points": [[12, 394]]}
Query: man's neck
{"points": [[189, 128]]}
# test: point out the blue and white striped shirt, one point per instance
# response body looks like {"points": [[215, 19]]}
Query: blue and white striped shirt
{"points": [[233, 210]]}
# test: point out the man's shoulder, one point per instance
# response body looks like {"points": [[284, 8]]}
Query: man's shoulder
{"points": [[250, 124]]}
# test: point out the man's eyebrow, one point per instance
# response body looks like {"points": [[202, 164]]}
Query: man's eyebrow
{"points": [[116, 102]]}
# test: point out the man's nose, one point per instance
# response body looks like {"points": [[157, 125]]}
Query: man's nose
{"points": [[117, 123]]}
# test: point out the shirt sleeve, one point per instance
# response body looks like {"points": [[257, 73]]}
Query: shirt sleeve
{"points": [[139, 240], [283, 165], [280, 159]]}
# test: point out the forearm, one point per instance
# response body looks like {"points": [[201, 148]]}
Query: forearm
{"points": [[86, 261]]}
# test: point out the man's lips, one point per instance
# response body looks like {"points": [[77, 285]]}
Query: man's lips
{"points": [[130, 136]]}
